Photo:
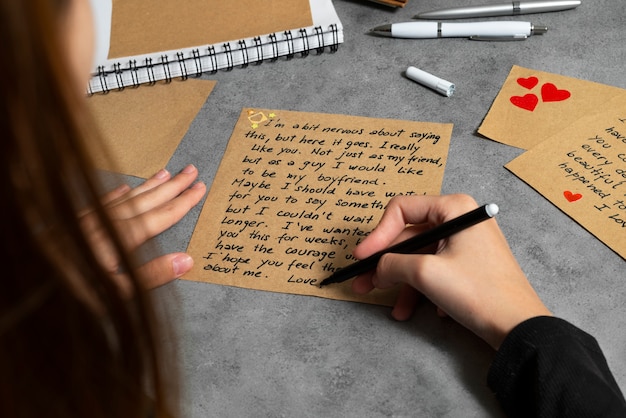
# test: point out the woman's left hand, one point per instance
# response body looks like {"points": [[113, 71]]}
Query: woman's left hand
{"points": [[142, 213]]}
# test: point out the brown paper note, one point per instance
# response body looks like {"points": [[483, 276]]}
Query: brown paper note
{"points": [[141, 130], [582, 170], [141, 27], [296, 191], [534, 105]]}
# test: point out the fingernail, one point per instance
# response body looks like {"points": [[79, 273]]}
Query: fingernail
{"points": [[161, 174], [182, 264], [189, 169], [198, 185]]}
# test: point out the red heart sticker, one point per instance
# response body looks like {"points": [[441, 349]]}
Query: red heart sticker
{"points": [[572, 197], [528, 83], [549, 93], [528, 102]]}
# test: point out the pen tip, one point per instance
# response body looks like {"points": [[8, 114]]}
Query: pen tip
{"points": [[384, 30]]}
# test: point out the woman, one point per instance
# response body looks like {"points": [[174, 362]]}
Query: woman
{"points": [[77, 330], [78, 336]]}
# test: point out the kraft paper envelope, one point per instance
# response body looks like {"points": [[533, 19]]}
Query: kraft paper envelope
{"points": [[142, 129], [582, 170], [296, 191], [534, 105]]}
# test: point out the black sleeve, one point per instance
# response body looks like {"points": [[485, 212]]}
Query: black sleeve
{"points": [[546, 367]]}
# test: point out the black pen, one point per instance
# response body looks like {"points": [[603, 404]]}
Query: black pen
{"points": [[415, 243]]}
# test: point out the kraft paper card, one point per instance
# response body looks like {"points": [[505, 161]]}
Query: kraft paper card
{"points": [[295, 192], [143, 27], [534, 105], [582, 170], [142, 130]]}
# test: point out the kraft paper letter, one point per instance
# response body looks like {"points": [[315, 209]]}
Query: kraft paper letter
{"points": [[143, 27], [582, 170], [534, 105], [295, 192], [142, 130]]}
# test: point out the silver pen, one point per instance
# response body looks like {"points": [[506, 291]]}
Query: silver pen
{"points": [[506, 9]]}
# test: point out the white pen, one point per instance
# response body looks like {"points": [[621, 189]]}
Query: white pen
{"points": [[496, 30], [507, 9]]}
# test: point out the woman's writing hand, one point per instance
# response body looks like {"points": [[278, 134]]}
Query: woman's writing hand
{"points": [[472, 276], [143, 212]]}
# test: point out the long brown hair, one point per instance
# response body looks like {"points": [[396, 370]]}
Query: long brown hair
{"points": [[72, 343]]}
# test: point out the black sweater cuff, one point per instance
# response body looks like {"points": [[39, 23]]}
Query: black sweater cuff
{"points": [[547, 367]]}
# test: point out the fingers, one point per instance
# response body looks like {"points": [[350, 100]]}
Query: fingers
{"points": [[158, 178], [164, 269], [415, 210], [422, 212], [405, 304], [140, 214], [108, 198], [156, 272], [154, 206], [363, 284], [156, 220], [154, 192], [410, 269], [115, 198], [115, 194]]}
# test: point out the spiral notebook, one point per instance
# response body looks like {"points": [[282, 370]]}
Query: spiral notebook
{"points": [[156, 40]]}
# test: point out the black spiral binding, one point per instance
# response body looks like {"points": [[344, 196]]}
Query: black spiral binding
{"points": [[196, 62], [243, 49], [118, 76], [335, 44], [151, 79], [166, 68], [274, 43], [229, 57], [132, 67], [102, 76], [258, 44], [213, 56], [183, 67], [320, 40], [290, 46], [304, 37]]}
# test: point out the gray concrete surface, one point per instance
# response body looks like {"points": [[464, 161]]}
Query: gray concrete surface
{"points": [[247, 353]]}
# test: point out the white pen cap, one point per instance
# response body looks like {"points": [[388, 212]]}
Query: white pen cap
{"points": [[439, 85]]}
